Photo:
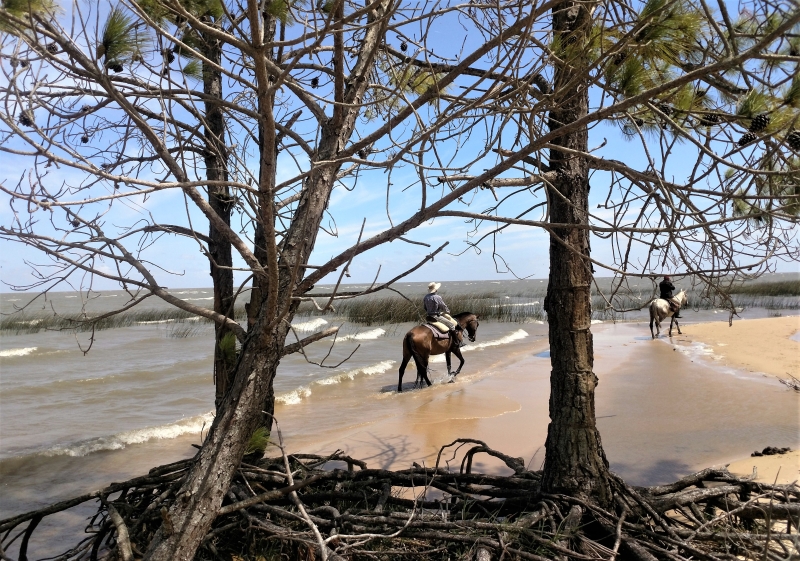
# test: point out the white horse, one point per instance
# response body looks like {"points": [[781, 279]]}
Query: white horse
{"points": [[660, 309]]}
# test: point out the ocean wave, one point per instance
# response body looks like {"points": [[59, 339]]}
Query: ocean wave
{"points": [[138, 436], [378, 368], [510, 338], [209, 298], [364, 336], [293, 397], [298, 394], [310, 325], [596, 321], [17, 352], [70, 296], [510, 305]]}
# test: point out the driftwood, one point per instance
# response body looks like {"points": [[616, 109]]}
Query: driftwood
{"points": [[334, 507]]}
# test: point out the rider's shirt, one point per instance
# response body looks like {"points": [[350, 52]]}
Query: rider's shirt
{"points": [[666, 288], [434, 305]]}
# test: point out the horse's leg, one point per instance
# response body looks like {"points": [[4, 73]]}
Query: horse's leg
{"points": [[678, 325], [406, 358], [652, 319], [424, 371], [460, 357], [447, 360]]}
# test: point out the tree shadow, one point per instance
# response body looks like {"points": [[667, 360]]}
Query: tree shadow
{"points": [[660, 472]]}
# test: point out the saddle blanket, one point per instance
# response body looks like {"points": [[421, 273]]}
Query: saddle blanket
{"points": [[438, 329]]}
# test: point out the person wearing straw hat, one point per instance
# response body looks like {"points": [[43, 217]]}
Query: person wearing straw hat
{"points": [[437, 310]]}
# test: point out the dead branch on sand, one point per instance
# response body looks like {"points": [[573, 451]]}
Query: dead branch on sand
{"points": [[308, 506]]}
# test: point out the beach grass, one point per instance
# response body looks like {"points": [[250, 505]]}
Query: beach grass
{"points": [[519, 307]]}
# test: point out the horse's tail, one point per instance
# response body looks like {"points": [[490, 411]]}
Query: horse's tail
{"points": [[409, 342]]}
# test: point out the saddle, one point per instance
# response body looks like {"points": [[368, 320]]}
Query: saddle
{"points": [[438, 329], [674, 306]]}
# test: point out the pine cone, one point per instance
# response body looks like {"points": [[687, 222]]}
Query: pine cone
{"points": [[747, 138], [666, 109], [170, 57], [115, 66], [86, 108], [710, 119], [25, 119], [52, 48], [404, 46], [759, 122], [793, 140], [315, 82], [84, 139], [75, 223], [23, 64]]}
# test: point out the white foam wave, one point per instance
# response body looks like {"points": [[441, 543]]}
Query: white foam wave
{"points": [[13, 300], [310, 325], [293, 397], [70, 296], [17, 352], [378, 368], [596, 321], [297, 395], [209, 298], [514, 305], [110, 296], [138, 436], [155, 321], [510, 338], [365, 336]]}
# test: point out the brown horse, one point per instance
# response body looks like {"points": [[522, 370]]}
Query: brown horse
{"points": [[420, 344]]}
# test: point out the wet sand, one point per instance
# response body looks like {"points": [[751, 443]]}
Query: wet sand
{"points": [[766, 345], [662, 414]]}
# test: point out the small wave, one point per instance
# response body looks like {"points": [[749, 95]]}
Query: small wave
{"points": [[378, 368], [70, 296], [156, 321], [365, 336], [110, 296], [510, 338], [510, 305], [138, 436], [293, 397], [17, 352], [297, 395], [13, 300], [596, 321], [209, 298], [189, 292], [310, 325]]}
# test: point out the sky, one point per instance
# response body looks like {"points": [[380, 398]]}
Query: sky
{"points": [[523, 250]]}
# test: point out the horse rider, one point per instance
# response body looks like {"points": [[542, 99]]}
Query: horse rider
{"points": [[437, 310], [667, 288]]}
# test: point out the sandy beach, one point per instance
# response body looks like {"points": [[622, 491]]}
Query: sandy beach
{"points": [[662, 414], [769, 346], [755, 345]]}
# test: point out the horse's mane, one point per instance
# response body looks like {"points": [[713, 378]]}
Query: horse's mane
{"points": [[463, 314]]}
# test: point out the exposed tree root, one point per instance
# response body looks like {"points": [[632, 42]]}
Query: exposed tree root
{"points": [[321, 509]]}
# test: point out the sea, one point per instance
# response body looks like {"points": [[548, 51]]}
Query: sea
{"points": [[79, 410]]}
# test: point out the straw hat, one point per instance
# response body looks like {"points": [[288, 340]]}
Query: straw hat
{"points": [[433, 287]]}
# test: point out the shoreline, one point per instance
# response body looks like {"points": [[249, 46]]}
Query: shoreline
{"points": [[661, 414]]}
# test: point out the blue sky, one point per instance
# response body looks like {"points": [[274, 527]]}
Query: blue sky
{"points": [[525, 250]]}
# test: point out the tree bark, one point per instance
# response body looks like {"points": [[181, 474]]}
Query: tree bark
{"points": [[219, 197], [204, 488], [575, 463]]}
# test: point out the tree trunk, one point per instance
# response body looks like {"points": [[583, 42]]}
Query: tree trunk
{"points": [[204, 488], [219, 197], [574, 463]]}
